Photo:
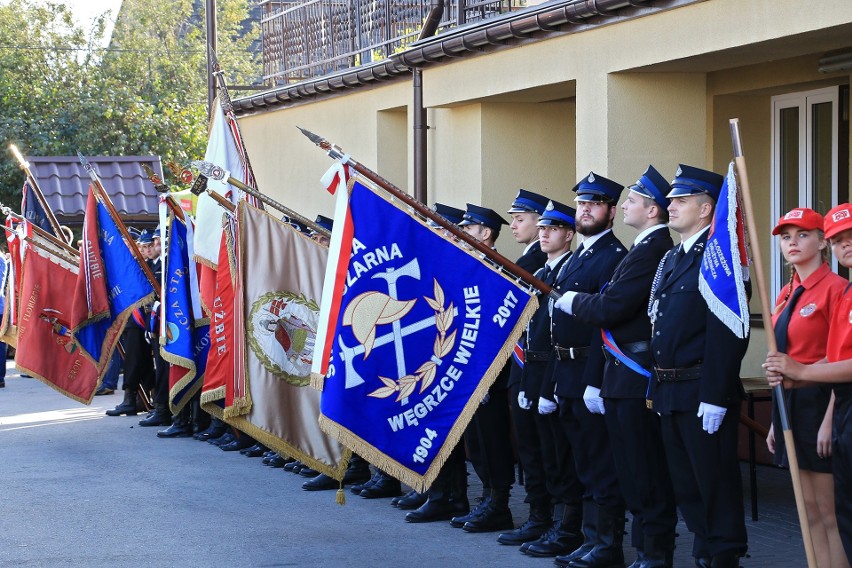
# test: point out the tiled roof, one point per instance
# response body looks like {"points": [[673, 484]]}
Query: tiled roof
{"points": [[65, 183]]}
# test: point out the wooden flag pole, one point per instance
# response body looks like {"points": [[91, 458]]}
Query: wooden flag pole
{"points": [[497, 258], [208, 170], [25, 165], [763, 293], [103, 197]]}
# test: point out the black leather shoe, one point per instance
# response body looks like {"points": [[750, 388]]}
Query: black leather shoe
{"points": [[386, 486], [127, 406], [555, 542], [308, 472], [531, 530], [157, 418], [355, 475], [356, 489], [176, 430], [279, 461], [491, 519], [438, 510], [222, 440], [211, 433], [321, 482], [254, 451], [295, 467], [703, 562], [239, 444], [411, 500], [459, 522]]}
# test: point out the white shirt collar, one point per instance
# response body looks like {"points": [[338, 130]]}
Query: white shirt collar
{"points": [[644, 234], [589, 241], [687, 244], [552, 263]]}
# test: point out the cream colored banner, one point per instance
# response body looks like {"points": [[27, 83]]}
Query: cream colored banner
{"points": [[282, 272]]}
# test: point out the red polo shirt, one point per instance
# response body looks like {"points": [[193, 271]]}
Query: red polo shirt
{"points": [[840, 339], [812, 315]]}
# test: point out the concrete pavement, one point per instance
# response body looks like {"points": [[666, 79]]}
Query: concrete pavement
{"points": [[78, 488]]}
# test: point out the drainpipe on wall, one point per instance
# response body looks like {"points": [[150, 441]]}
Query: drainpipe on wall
{"points": [[430, 26]]}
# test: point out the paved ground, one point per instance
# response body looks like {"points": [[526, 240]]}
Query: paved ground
{"points": [[78, 488]]}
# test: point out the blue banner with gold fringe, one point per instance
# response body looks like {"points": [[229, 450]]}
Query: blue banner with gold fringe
{"points": [[417, 330]]}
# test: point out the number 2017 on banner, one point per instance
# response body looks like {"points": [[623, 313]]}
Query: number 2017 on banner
{"points": [[504, 311], [421, 452]]}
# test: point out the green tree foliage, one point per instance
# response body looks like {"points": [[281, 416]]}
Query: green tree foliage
{"points": [[144, 94]]}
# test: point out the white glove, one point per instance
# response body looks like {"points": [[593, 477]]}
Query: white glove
{"points": [[713, 416], [485, 398], [523, 402], [593, 400], [566, 302], [546, 406], [155, 307]]}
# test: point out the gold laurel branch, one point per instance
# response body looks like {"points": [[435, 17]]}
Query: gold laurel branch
{"points": [[426, 373]]}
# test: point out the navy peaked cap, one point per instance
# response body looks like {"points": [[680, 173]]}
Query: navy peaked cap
{"points": [[146, 237], [476, 215], [528, 202], [595, 187], [452, 214], [690, 180], [324, 222], [654, 186], [558, 215]]}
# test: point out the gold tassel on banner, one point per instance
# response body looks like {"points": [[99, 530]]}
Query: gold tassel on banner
{"points": [[341, 495]]}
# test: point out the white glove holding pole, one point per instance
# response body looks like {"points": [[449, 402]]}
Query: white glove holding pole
{"points": [[566, 302], [712, 415], [523, 402], [546, 406], [593, 400]]}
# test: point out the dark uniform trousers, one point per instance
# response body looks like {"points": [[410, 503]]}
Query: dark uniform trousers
{"points": [[704, 468], [547, 459], [585, 432], [138, 362], [634, 430], [637, 448], [161, 367], [841, 460], [489, 435]]}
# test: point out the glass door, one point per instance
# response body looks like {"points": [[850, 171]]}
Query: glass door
{"points": [[804, 160]]}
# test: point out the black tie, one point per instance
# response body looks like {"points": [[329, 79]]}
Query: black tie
{"points": [[545, 276], [784, 320]]}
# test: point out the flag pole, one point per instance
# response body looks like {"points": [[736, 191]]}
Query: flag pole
{"points": [[103, 197], [25, 165], [335, 153], [41, 232], [212, 171], [763, 293]]}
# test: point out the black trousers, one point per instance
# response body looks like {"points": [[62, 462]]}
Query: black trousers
{"points": [[640, 463], [589, 441], [138, 359], [705, 473], [488, 438], [529, 450], [841, 460], [161, 381]]}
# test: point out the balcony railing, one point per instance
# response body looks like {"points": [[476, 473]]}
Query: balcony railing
{"points": [[308, 39]]}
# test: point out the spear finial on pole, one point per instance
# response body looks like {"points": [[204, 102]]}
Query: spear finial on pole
{"points": [[25, 165]]}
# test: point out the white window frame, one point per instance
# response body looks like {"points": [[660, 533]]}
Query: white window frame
{"points": [[804, 101]]}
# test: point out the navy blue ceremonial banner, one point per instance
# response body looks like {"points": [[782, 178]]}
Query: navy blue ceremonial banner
{"points": [[185, 333], [111, 284], [724, 268], [417, 331], [32, 211]]}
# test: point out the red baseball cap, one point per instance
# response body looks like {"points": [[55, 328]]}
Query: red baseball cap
{"points": [[838, 220], [801, 217]]}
